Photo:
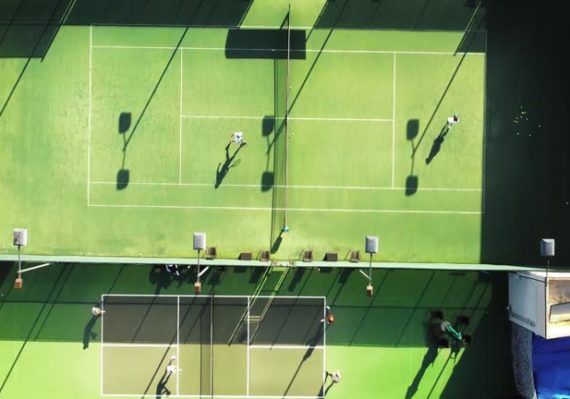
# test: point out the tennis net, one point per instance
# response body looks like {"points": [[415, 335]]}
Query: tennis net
{"points": [[281, 129]]}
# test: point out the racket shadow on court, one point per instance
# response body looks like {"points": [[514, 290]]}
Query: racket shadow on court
{"points": [[223, 169]]}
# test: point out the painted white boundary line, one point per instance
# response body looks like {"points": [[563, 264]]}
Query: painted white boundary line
{"points": [[290, 118], [118, 345], [180, 117], [310, 187], [296, 347], [178, 344], [139, 395], [211, 296], [338, 51], [248, 345], [102, 340], [89, 113], [324, 343], [394, 121], [331, 210]]}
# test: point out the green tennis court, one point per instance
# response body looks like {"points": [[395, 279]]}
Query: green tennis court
{"points": [[119, 118], [222, 346], [140, 119]]}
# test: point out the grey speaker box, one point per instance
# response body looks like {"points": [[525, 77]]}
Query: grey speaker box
{"points": [[547, 247], [371, 244], [20, 237], [200, 241]]}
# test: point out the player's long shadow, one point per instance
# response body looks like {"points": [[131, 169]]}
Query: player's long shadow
{"points": [[437, 143], [88, 332], [312, 343], [229, 163], [433, 344]]}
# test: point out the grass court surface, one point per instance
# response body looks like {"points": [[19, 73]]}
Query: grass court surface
{"points": [[50, 343], [129, 133]]}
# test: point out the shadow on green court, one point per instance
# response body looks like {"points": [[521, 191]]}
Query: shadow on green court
{"points": [[394, 14]]}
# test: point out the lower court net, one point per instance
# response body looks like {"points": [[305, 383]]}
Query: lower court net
{"points": [[222, 346]]}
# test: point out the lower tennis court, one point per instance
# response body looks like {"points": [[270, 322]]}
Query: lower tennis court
{"points": [[224, 346]]}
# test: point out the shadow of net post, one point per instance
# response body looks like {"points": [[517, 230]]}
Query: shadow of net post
{"points": [[412, 181]]}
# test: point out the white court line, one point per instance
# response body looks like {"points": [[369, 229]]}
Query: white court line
{"points": [[140, 395], [178, 344], [332, 51], [180, 118], [266, 209], [394, 121], [248, 345], [324, 343], [117, 345], [102, 340], [210, 296], [287, 347], [89, 114], [309, 187], [290, 118]]}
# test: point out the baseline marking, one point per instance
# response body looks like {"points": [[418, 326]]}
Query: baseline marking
{"points": [[310, 187], [118, 345], [290, 118], [341, 51], [89, 113], [265, 209], [287, 347], [394, 121], [180, 118]]}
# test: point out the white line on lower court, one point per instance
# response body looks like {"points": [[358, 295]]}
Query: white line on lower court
{"points": [[287, 347], [324, 119], [127, 345], [267, 209], [301, 187], [212, 396]]}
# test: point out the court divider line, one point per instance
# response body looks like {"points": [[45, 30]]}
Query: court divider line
{"points": [[212, 296], [131, 395], [337, 51], [180, 117], [248, 345], [324, 344], [126, 345], [394, 120], [285, 347], [102, 341], [266, 209], [293, 118], [89, 117], [178, 344], [298, 186]]}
